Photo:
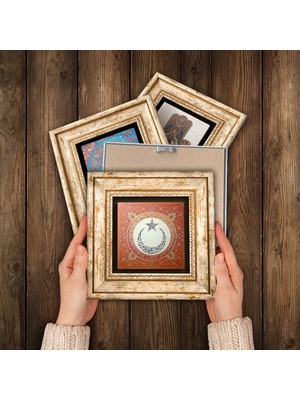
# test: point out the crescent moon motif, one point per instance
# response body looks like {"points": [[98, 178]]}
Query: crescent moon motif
{"points": [[154, 249]]}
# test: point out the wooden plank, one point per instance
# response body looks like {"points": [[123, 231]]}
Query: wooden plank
{"points": [[104, 78], [195, 73], [52, 102], [196, 70], [237, 81], [281, 104], [154, 324], [12, 198], [144, 64]]}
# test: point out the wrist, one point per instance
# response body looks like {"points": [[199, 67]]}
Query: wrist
{"points": [[69, 320], [229, 316]]}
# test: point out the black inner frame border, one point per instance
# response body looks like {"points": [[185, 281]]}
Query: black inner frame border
{"points": [[153, 199], [103, 136], [212, 124]]}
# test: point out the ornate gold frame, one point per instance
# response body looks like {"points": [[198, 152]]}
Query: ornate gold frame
{"points": [[64, 140], [103, 283], [228, 120]]}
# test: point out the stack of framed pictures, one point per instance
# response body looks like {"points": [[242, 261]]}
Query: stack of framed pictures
{"points": [[151, 175]]}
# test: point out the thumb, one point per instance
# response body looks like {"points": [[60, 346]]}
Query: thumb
{"points": [[222, 274], [80, 262]]}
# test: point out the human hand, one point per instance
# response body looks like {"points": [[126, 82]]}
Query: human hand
{"points": [[75, 308], [228, 300]]}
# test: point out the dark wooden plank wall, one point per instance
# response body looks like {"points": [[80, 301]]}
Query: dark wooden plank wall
{"points": [[43, 90], [12, 199], [281, 227], [51, 102]]}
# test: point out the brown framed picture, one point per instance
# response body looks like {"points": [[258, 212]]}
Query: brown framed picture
{"points": [[151, 235], [78, 147], [192, 118]]}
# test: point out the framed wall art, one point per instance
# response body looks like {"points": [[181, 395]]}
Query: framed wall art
{"points": [[78, 147], [150, 235], [192, 118]]}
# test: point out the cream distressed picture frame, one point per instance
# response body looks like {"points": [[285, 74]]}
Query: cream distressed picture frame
{"points": [[220, 123], [198, 279], [67, 139]]}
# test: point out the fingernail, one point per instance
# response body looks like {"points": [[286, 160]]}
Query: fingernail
{"points": [[79, 251], [220, 258]]}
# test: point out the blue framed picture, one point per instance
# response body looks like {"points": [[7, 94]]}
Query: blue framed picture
{"points": [[79, 147], [90, 151]]}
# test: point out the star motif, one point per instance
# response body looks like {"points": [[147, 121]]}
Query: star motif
{"points": [[151, 225]]}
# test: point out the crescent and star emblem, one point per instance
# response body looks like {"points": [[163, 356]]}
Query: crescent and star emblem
{"points": [[151, 250]]}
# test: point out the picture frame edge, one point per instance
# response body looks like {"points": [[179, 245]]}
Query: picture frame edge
{"points": [[141, 296], [240, 116]]}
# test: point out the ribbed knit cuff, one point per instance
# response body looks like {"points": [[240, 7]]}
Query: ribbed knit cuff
{"points": [[235, 334], [62, 337]]}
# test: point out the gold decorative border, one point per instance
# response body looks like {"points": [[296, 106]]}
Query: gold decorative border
{"points": [[109, 274]]}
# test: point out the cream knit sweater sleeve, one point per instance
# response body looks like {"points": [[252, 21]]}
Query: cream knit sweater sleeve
{"points": [[235, 334], [62, 337]]}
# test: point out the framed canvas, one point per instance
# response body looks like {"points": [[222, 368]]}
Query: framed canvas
{"points": [[150, 235], [78, 147], [151, 157], [192, 118]]}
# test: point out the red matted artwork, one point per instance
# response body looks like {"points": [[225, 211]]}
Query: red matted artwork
{"points": [[151, 235]]}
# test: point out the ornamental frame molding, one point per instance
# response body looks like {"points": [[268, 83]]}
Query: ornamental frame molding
{"points": [[199, 283], [228, 120]]}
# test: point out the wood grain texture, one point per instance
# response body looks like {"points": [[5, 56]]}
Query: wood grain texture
{"points": [[281, 199], [237, 81], [12, 198], [154, 324], [104, 82], [144, 64], [195, 73], [196, 70], [52, 102]]}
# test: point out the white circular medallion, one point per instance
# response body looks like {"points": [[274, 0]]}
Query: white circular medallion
{"points": [[151, 236]]}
